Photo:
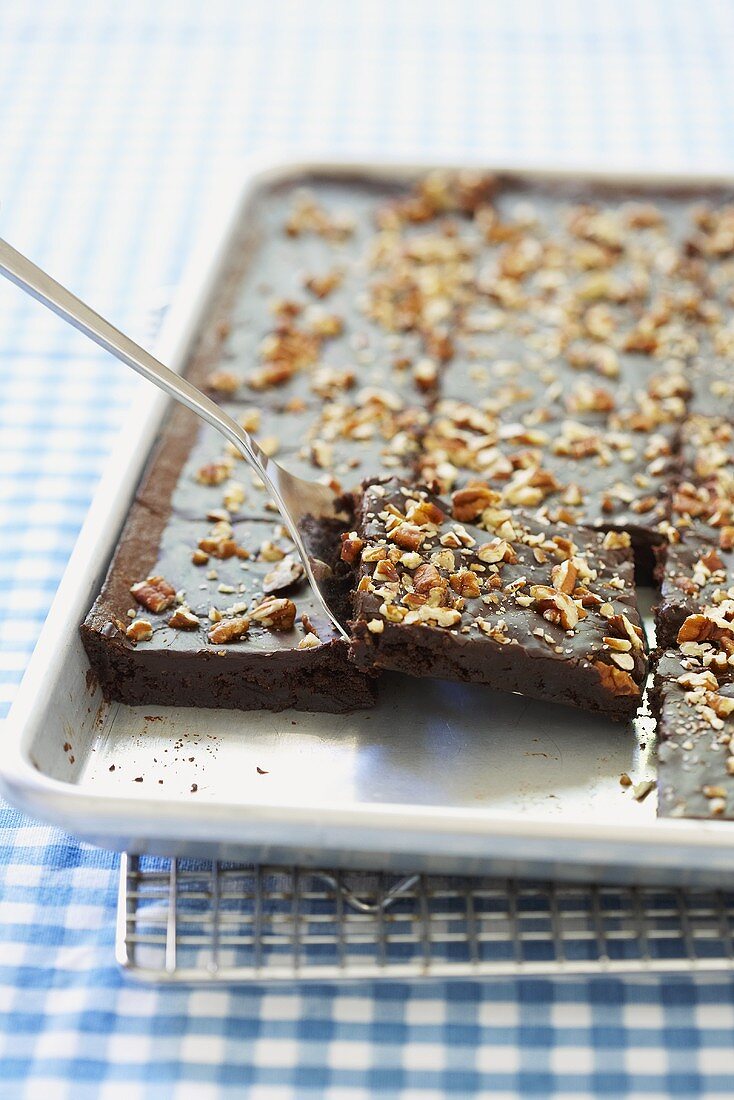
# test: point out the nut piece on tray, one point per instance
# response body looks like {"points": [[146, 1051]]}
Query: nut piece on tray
{"points": [[547, 611]]}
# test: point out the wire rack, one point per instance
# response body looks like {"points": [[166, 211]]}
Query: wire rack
{"points": [[195, 922]]}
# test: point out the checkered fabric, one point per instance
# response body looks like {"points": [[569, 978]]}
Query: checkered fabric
{"points": [[119, 124]]}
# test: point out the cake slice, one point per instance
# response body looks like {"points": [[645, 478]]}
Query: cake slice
{"points": [[546, 611], [693, 702], [692, 575], [220, 615]]}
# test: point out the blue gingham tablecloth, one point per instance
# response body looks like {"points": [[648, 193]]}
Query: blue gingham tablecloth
{"points": [[119, 125]]}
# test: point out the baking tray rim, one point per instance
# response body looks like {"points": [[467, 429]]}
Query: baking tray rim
{"points": [[83, 812]]}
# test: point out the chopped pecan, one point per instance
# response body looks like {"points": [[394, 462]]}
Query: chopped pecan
{"points": [[469, 503], [465, 584], [222, 548], [425, 374], [407, 536], [435, 616], [269, 551], [234, 496], [223, 381], [229, 630], [699, 681], [726, 538], [427, 577], [616, 680], [214, 473], [702, 628], [286, 573], [385, 571], [496, 551], [322, 285], [374, 553], [184, 619], [616, 540], [711, 561], [155, 594], [424, 512], [275, 614], [621, 626], [139, 631], [564, 576], [556, 606]]}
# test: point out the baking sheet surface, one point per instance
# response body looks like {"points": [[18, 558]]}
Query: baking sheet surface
{"points": [[505, 765]]}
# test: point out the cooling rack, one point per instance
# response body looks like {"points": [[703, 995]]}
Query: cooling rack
{"points": [[204, 922]]}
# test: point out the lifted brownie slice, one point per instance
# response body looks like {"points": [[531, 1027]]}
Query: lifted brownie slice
{"points": [[547, 611]]}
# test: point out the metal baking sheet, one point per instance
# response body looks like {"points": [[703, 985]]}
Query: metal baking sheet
{"points": [[439, 777]]}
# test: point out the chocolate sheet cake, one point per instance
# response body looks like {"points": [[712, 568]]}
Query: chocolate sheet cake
{"points": [[558, 345]]}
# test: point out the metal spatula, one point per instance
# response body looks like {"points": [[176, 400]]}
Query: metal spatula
{"points": [[299, 501]]}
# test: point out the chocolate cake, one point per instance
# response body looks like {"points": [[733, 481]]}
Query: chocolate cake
{"points": [[562, 346], [547, 611]]}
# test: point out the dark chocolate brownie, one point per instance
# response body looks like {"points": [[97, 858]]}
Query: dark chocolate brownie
{"points": [[693, 701], [699, 563], [544, 611], [692, 575], [703, 503], [575, 470], [545, 339], [242, 629]]}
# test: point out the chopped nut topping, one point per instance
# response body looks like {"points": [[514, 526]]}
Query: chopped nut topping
{"points": [[468, 504], [564, 576], [223, 381], [496, 551], [624, 660], [155, 594], [323, 285], [617, 681], [270, 552], [465, 584], [229, 630], [426, 578], [617, 540], [184, 619], [407, 536], [556, 606], [222, 546], [214, 473], [435, 616], [275, 614], [285, 574], [234, 496], [139, 631]]}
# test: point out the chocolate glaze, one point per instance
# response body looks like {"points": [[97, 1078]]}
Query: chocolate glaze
{"points": [[530, 654]]}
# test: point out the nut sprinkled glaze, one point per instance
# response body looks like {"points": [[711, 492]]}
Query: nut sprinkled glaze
{"points": [[548, 353], [444, 611]]}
